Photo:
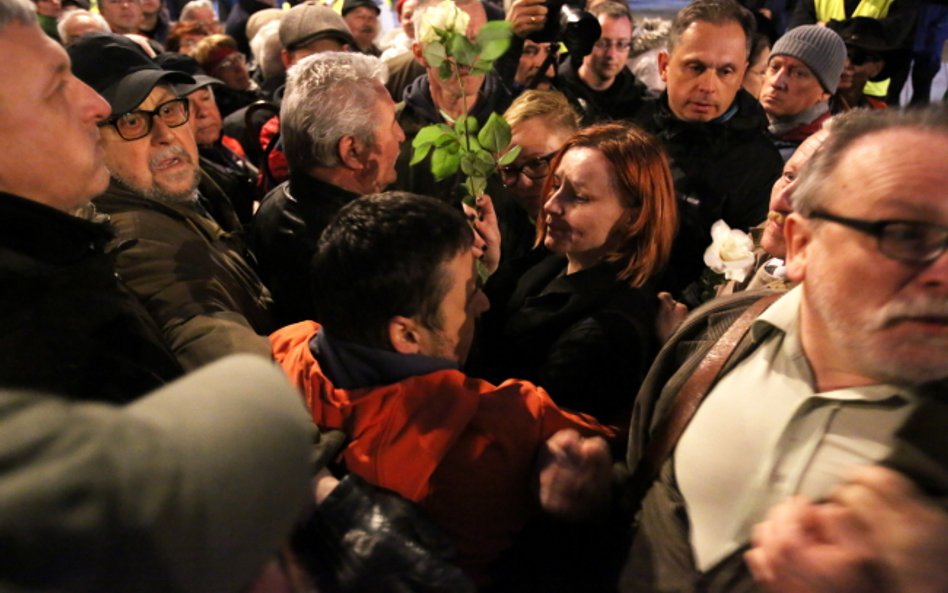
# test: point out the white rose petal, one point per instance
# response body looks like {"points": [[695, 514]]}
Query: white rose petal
{"points": [[731, 252]]}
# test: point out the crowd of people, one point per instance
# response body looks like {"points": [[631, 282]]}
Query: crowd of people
{"points": [[692, 337]]}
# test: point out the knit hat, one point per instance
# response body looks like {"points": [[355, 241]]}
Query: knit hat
{"points": [[310, 21], [821, 49]]}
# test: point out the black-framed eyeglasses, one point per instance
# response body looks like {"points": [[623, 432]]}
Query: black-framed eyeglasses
{"points": [[858, 57], [535, 168], [137, 124], [904, 240]]}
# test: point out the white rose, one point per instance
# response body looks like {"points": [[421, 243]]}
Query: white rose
{"points": [[731, 252], [445, 16]]}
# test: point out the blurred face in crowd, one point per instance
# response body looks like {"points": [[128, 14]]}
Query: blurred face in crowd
{"points": [[524, 177], [790, 88], [205, 116], [162, 164], [150, 8], [79, 25], [233, 72], [858, 69], [583, 207], [316, 46], [705, 70], [781, 195], [531, 60], [407, 18], [867, 316], [50, 8], [123, 16], [754, 77], [48, 116], [205, 16], [364, 24], [610, 53]]}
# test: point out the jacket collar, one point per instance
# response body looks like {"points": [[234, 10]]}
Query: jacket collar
{"points": [[48, 234]]}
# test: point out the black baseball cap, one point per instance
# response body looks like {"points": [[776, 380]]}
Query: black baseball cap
{"points": [[182, 63], [119, 70]]}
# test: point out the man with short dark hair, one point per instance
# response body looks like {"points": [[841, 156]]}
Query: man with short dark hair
{"points": [[802, 74], [67, 323], [399, 294], [723, 163], [193, 276], [602, 85], [341, 139]]}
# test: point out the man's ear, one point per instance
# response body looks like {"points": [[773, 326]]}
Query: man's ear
{"points": [[404, 335], [663, 60], [286, 58], [797, 233], [350, 153]]}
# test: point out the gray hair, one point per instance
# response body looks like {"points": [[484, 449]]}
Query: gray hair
{"points": [[328, 96], [16, 11], [69, 16], [265, 47], [813, 192], [193, 5]]}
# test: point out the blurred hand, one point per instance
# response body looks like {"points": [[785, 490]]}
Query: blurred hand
{"points": [[486, 232], [670, 315], [575, 474], [527, 16]]}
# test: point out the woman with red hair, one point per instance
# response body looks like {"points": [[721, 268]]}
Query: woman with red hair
{"points": [[581, 322]]}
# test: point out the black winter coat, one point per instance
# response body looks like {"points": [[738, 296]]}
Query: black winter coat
{"points": [[67, 323]]}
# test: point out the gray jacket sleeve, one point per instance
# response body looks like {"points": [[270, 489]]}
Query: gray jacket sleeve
{"points": [[189, 489]]}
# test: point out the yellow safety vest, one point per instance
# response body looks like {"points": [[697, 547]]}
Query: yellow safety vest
{"points": [[827, 10]]}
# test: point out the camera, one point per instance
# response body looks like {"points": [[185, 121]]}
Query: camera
{"points": [[568, 22]]}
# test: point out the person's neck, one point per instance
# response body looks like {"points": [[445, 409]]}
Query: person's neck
{"points": [[343, 178], [596, 83], [851, 96], [827, 359]]}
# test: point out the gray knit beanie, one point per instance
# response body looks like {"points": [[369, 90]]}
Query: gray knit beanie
{"points": [[820, 48]]}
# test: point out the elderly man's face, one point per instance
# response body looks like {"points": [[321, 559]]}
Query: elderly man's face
{"points": [[790, 88], [124, 16], [705, 70], [364, 24], [163, 164], [51, 152], [780, 195], [866, 317], [205, 116]]}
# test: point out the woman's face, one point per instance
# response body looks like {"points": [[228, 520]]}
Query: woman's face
{"points": [[524, 178], [583, 207]]}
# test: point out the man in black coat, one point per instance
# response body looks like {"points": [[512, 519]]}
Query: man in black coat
{"points": [[341, 140], [715, 133], [67, 323]]}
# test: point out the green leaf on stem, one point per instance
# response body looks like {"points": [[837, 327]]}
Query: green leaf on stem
{"points": [[482, 67], [494, 39], [484, 163], [495, 135], [418, 154], [466, 125], [435, 54], [444, 163], [509, 156], [475, 185], [445, 70], [462, 50], [426, 135]]}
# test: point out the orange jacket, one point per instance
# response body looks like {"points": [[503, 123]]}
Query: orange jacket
{"points": [[461, 447]]}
